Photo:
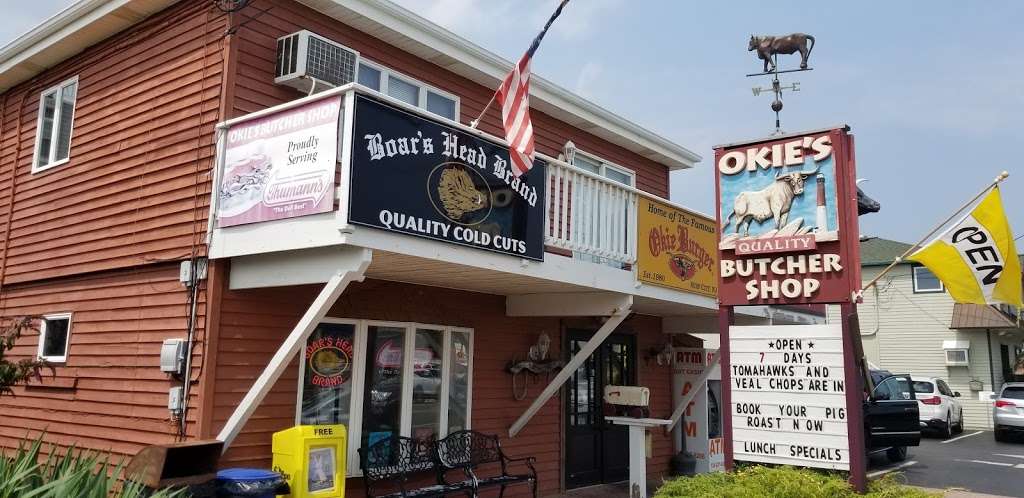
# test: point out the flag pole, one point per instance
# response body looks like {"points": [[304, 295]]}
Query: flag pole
{"points": [[1002, 176], [533, 47], [473, 123]]}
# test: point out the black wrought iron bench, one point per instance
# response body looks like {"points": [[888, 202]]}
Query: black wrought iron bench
{"points": [[401, 463], [469, 450], [398, 463]]}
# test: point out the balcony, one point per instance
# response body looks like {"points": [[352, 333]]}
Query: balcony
{"points": [[589, 225]]}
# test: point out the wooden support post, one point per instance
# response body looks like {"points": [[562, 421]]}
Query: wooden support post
{"points": [[292, 344], [616, 318], [854, 388], [726, 317]]}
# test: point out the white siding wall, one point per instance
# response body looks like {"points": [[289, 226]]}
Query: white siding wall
{"points": [[903, 332]]}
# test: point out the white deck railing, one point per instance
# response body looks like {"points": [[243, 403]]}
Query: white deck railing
{"points": [[590, 215]]}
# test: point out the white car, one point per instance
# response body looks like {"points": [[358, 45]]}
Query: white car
{"points": [[940, 409], [1008, 410]]}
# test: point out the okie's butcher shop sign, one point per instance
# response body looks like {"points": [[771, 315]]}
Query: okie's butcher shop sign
{"points": [[787, 208], [424, 178]]}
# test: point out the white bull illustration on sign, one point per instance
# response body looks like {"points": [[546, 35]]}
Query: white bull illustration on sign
{"points": [[773, 201]]}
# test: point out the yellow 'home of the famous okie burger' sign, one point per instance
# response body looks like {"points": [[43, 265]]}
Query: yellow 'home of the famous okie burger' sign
{"points": [[677, 249]]}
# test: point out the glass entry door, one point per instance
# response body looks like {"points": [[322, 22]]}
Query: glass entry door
{"points": [[596, 451]]}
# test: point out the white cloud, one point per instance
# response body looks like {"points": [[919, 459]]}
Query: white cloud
{"points": [[579, 20], [468, 18], [475, 19], [588, 79]]}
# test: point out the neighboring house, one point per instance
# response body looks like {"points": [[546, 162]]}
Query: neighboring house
{"points": [[107, 164], [910, 324]]}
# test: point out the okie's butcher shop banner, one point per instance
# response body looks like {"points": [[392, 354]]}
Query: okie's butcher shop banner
{"points": [[787, 214], [788, 218], [676, 248], [420, 177], [280, 166]]}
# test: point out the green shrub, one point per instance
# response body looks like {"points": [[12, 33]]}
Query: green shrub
{"points": [[67, 473], [781, 482]]}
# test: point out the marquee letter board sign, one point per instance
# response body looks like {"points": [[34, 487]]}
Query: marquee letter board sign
{"points": [[787, 208], [789, 395], [420, 177]]}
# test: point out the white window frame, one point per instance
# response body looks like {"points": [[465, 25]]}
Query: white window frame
{"points": [[918, 289], [954, 363], [63, 358], [358, 379], [55, 132], [386, 72], [957, 346], [605, 164]]}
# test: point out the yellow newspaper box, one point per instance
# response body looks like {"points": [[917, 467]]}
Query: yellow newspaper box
{"points": [[312, 460]]}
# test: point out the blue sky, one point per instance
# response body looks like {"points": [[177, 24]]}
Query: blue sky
{"points": [[934, 91]]}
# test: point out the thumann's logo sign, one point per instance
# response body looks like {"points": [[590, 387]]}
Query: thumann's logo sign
{"points": [[280, 166], [420, 177], [781, 217]]}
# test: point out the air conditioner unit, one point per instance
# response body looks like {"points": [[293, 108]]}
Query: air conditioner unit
{"points": [[304, 56]]}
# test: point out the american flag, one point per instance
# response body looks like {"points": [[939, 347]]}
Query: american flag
{"points": [[514, 98]]}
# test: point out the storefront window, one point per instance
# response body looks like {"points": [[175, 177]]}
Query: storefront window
{"points": [[328, 374], [406, 379], [427, 383], [382, 403], [458, 366]]}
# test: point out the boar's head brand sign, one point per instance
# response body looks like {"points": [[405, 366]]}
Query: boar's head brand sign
{"points": [[676, 248], [280, 166], [421, 177], [788, 218], [329, 360]]}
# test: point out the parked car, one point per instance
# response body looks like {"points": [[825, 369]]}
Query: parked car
{"points": [[891, 416], [1008, 410], [939, 407]]}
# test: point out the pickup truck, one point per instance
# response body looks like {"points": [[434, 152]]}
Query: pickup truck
{"points": [[891, 416]]}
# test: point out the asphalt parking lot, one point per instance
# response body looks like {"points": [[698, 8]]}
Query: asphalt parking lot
{"points": [[972, 461]]}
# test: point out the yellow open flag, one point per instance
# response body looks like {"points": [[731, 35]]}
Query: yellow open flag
{"points": [[976, 258]]}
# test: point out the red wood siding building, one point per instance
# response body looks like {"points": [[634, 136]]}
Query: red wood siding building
{"points": [[103, 235]]}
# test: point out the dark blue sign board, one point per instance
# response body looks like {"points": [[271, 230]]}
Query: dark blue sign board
{"points": [[418, 176]]}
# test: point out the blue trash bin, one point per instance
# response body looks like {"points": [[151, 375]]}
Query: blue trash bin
{"points": [[247, 483]]}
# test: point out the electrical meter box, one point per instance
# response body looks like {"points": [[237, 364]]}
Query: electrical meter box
{"points": [[312, 459]]}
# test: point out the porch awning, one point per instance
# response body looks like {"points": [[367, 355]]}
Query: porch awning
{"points": [[979, 316]]}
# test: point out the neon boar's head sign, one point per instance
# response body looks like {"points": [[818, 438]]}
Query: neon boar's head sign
{"points": [[787, 210]]}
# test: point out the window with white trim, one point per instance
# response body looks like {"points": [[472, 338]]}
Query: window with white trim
{"points": [[54, 336], [53, 127], [957, 353], [598, 166], [605, 169], [925, 281], [408, 90], [384, 378]]}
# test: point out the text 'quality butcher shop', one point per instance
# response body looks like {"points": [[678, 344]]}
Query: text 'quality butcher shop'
{"points": [[784, 212]]}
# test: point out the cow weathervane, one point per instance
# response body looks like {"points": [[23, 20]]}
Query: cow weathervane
{"points": [[768, 49]]}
